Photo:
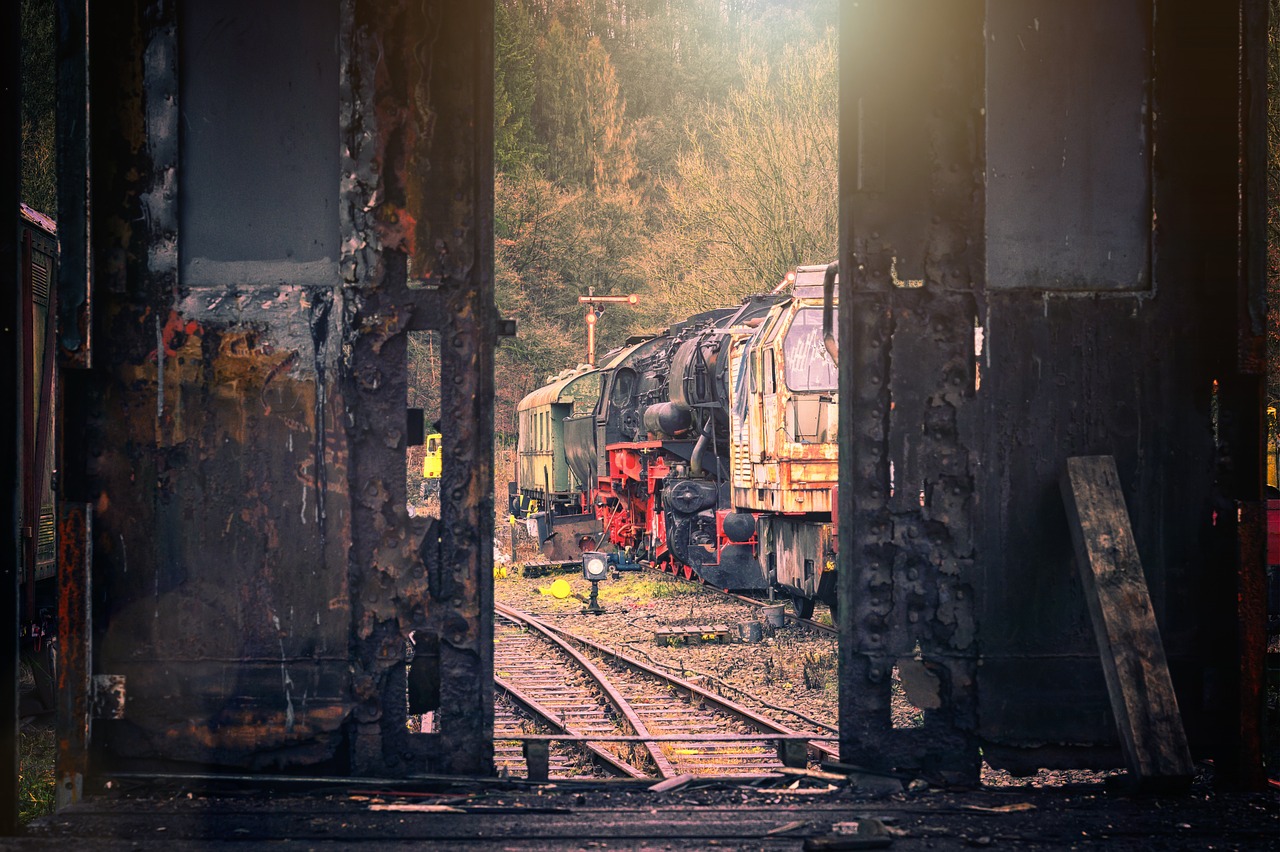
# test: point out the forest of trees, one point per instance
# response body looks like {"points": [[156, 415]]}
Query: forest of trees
{"points": [[684, 151]]}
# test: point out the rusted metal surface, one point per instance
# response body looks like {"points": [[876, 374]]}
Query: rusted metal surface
{"points": [[243, 439], [11, 385], [75, 554], [418, 185], [962, 395], [109, 694], [907, 401], [75, 328], [1245, 745]]}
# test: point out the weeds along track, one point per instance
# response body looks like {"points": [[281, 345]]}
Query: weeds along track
{"points": [[557, 691], [812, 624], [578, 688]]}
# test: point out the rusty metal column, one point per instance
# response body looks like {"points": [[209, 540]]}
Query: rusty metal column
{"points": [[911, 266], [72, 329], [11, 384], [1242, 762], [418, 252]]}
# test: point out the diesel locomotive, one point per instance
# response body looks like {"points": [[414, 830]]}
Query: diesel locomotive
{"points": [[708, 450]]}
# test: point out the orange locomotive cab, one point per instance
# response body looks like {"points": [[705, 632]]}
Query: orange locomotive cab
{"points": [[785, 464]]}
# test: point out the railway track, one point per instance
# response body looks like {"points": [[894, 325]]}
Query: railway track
{"points": [[648, 723]]}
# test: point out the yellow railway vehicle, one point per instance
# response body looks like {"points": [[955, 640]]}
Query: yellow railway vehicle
{"points": [[431, 462]]}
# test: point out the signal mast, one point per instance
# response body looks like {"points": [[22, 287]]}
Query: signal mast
{"points": [[594, 310]]}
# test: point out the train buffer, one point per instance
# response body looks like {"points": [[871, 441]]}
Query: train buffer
{"points": [[691, 635]]}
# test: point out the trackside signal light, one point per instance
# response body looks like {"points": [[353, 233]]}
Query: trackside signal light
{"points": [[591, 317]]}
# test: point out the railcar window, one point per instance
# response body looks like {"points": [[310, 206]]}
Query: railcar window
{"points": [[807, 364], [770, 377]]}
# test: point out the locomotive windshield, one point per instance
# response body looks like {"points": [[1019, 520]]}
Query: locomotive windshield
{"points": [[808, 365]]}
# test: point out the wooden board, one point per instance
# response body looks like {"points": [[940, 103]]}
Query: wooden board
{"points": [[694, 635], [1133, 658]]}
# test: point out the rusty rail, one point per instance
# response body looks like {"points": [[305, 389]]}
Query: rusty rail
{"points": [[739, 711], [616, 698]]}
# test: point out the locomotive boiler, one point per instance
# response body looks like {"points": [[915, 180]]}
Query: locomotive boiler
{"points": [[708, 450]]}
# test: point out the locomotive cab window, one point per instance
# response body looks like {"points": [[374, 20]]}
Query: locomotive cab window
{"points": [[808, 365]]}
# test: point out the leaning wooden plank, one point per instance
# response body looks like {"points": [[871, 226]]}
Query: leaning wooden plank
{"points": [[1133, 659]]}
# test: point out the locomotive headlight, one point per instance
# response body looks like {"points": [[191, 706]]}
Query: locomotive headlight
{"points": [[595, 565]]}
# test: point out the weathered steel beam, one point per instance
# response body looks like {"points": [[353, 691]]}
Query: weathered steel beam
{"points": [[420, 141], [911, 209], [75, 654], [75, 330], [242, 440], [11, 384]]}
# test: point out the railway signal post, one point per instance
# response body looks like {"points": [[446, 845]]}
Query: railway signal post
{"points": [[594, 310]]}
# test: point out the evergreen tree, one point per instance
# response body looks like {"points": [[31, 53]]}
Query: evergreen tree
{"points": [[514, 145]]}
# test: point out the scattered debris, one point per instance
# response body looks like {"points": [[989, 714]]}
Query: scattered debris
{"points": [[865, 833], [812, 773], [671, 783], [785, 827], [1014, 808]]}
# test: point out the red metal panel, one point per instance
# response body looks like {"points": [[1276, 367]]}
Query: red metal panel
{"points": [[1273, 532]]}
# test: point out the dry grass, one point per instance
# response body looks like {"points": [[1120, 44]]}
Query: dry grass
{"points": [[37, 747]]}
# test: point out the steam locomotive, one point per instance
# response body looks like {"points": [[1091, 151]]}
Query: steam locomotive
{"points": [[708, 450]]}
